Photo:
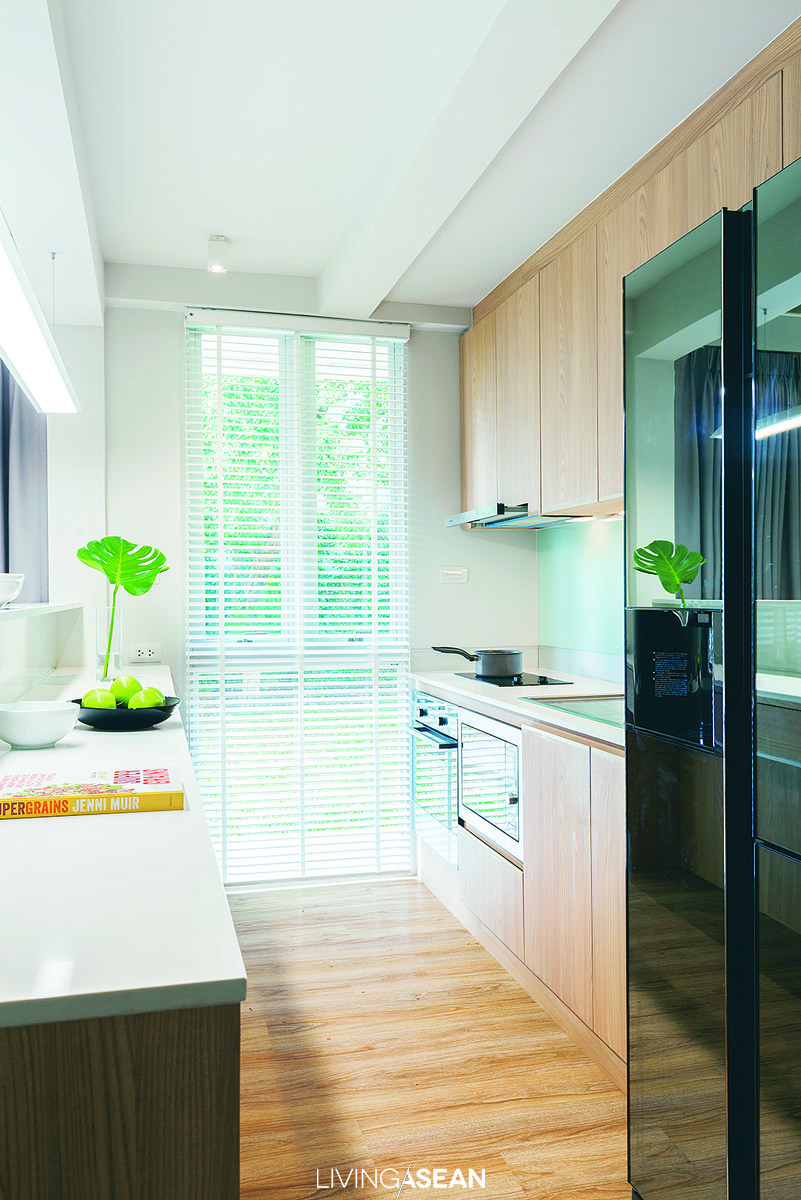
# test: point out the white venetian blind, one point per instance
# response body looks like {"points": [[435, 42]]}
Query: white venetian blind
{"points": [[297, 621]]}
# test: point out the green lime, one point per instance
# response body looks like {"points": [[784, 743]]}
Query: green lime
{"points": [[125, 686], [149, 697], [99, 698]]}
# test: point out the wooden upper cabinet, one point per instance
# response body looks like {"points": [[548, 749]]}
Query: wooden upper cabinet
{"points": [[479, 460], [568, 378], [518, 396], [740, 151], [719, 169], [557, 869], [608, 806], [616, 257], [577, 413], [791, 110]]}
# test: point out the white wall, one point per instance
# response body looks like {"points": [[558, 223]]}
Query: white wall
{"points": [[498, 606], [144, 457], [144, 465], [76, 487]]}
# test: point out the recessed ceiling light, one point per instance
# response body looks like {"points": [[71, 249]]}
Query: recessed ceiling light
{"points": [[218, 254]]}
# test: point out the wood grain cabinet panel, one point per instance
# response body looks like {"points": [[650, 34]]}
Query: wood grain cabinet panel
{"points": [[568, 378], [518, 397], [492, 888], [640, 227], [608, 807], [791, 110], [720, 168], [557, 870], [479, 424], [739, 152], [122, 1108], [617, 255]]}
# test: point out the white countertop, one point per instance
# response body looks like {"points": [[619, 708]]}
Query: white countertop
{"points": [[103, 915], [779, 689], [15, 612], [511, 702]]}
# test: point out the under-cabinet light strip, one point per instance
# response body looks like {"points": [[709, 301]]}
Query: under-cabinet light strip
{"points": [[27, 346]]}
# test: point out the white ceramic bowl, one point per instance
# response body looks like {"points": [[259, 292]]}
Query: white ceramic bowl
{"points": [[10, 588], [36, 724]]}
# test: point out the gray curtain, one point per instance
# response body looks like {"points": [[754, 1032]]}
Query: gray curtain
{"points": [[777, 496], [777, 471], [23, 489], [698, 463]]}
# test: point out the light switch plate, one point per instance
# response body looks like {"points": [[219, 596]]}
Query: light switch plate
{"points": [[454, 574]]}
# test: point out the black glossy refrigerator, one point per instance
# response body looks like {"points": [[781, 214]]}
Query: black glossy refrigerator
{"points": [[713, 706]]}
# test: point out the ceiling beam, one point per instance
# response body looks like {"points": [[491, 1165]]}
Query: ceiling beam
{"points": [[499, 63], [176, 288]]}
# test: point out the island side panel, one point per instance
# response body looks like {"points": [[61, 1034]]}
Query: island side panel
{"points": [[139, 1107]]}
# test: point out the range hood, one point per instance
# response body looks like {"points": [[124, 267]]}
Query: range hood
{"points": [[507, 516]]}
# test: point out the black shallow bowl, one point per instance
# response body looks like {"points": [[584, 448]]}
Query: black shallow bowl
{"points": [[124, 720]]}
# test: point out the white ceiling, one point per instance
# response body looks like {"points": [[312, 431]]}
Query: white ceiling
{"points": [[257, 119], [417, 152], [650, 65]]}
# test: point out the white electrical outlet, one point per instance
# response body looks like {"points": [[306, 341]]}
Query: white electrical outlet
{"points": [[454, 574], [147, 652]]}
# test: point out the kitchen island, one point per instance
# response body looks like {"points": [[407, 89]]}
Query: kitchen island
{"points": [[120, 988]]}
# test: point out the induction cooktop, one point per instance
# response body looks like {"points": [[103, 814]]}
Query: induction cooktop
{"points": [[525, 679]]}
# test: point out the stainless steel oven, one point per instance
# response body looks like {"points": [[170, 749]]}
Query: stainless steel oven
{"points": [[489, 781], [435, 744]]}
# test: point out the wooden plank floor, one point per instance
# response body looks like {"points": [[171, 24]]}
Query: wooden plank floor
{"points": [[378, 1033]]}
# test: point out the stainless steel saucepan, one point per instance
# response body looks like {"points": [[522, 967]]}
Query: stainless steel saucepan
{"points": [[489, 662]]}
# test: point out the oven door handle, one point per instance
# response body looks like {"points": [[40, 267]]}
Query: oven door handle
{"points": [[441, 740]]}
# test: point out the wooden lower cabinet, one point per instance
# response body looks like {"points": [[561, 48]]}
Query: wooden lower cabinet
{"points": [[608, 816], [573, 812], [139, 1107], [555, 812], [492, 888]]}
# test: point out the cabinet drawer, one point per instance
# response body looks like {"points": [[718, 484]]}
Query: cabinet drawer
{"points": [[492, 888]]}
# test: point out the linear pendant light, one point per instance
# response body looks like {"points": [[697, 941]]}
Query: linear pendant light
{"points": [[769, 426], [778, 423], [27, 346]]}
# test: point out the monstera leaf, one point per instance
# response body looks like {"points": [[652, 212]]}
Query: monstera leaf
{"points": [[672, 565], [125, 565]]}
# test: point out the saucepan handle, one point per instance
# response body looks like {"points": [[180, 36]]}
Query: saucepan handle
{"points": [[455, 650]]}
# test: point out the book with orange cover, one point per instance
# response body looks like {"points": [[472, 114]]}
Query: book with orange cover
{"points": [[89, 793]]}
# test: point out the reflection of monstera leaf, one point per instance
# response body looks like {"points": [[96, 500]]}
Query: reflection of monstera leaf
{"points": [[673, 565], [125, 564]]}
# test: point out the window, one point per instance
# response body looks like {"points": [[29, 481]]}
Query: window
{"points": [[23, 489], [297, 630]]}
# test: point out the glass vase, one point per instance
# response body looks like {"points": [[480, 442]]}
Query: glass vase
{"points": [[111, 670]]}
